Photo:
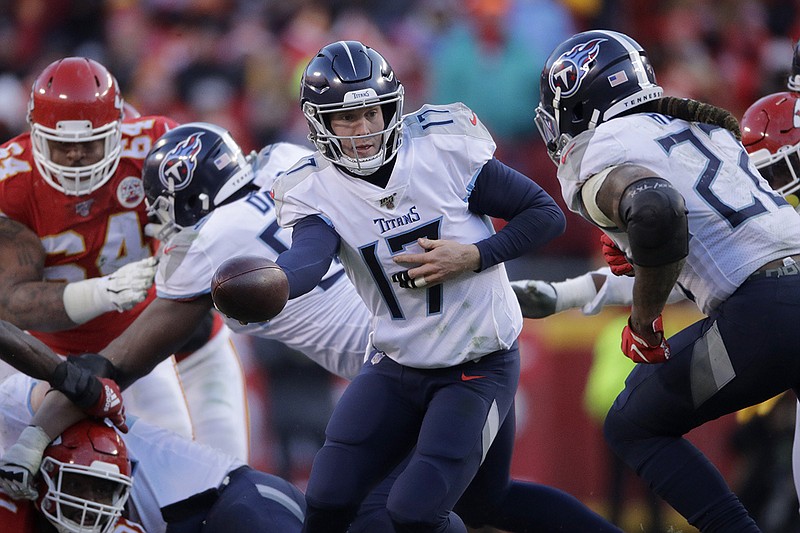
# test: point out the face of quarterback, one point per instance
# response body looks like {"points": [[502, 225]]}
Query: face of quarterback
{"points": [[356, 125]]}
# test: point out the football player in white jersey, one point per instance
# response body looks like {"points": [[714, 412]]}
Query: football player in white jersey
{"points": [[673, 188], [771, 136], [333, 319], [175, 484], [403, 202], [187, 172]]}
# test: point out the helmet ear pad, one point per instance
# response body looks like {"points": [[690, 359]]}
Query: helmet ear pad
{"points": [[195, 206]]}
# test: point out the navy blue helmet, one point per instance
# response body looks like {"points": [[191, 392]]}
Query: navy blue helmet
{"points": [[190, 171], [590, 78], [347, 75], [794, 76]]}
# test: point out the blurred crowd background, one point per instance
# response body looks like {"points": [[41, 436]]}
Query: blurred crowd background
{"points": [[237, 63]]}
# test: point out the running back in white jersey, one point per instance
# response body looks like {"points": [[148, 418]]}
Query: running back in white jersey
{"points": [[439, 326], [727, 199], [330, 324]]}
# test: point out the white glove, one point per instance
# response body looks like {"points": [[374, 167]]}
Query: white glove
{"points": [[537, 299], [153, 229], [120, 291], [19, 465]]}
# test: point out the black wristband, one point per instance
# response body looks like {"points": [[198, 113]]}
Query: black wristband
{"points": [[96, 364], [76, 383]]}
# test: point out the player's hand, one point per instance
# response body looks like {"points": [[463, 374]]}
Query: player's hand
{"points": [[119, 291], [639, 350], [129, 285], [615, 257], [109, 404], [153, 229], [19, 465], [440, 261], [537, 299], [97, 397]]}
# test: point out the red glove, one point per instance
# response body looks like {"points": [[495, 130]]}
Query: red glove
{"points": [[615, 257], [109, 404], [636, 349]]}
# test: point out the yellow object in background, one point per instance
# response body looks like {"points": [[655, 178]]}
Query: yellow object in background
{"points": [[761, 409]]}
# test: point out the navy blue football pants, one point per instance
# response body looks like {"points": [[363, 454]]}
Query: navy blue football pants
{"points": [[744, 353], [493, 498], [251, 500], [446, 417]]}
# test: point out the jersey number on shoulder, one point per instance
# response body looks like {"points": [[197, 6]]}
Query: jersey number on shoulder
{"points": [[704, 184], [396, 245], [273, 235], [123, 244], [134, 144], [10, 165]]}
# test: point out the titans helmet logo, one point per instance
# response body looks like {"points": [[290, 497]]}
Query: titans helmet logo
{"points": [[569, 70], [178, 166]]}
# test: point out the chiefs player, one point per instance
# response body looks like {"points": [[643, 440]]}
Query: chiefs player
{"points": [[83, 484], [77, 265]]}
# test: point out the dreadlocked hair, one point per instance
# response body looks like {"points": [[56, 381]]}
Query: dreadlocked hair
{"points": [[695, 111]]}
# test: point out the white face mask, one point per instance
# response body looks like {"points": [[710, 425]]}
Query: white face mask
{"points": [[76, 181]]}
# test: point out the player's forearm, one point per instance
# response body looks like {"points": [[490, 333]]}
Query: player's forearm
{"points": [[26, 300], [56, 414], [26, 353], [37, 305], [651, 290], [161, 330]]}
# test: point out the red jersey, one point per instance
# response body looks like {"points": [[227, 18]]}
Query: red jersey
{"points": [[85, 236], [21, 516]]}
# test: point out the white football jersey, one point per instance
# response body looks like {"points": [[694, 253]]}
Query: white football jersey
{"points": [[443, 150], [737, 223], [330, 324], [167, 468]]}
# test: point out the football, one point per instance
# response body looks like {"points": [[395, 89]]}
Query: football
{"points": [[249, 288]]}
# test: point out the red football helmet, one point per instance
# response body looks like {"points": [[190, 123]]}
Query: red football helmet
{"points": [[85, 478], [75, 100], [771, 134]]}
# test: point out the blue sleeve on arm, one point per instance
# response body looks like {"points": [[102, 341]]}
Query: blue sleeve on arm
{"points": [[314, 244], [533, 216]]}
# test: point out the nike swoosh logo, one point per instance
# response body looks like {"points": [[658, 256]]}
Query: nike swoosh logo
{"points": [[474, 120], [168, 249], [465, 377]]}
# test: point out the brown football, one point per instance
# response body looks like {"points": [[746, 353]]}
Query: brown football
{"points": [[249, 288]]}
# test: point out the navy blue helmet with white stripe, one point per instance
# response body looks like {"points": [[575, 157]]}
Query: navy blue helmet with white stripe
{"points": [[590, 78]]}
